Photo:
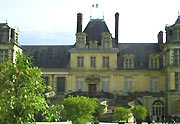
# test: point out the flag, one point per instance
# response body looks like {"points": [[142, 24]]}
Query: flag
{"points": [[96, 5]]}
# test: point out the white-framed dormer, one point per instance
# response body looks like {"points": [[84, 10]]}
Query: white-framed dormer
{"points": [[128, 62], [106, 40], [81, 40], [154, 61]]}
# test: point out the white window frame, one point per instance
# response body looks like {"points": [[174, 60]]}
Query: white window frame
{"points": [[128, 84], [105, 84], [154, 84], [79, 83], [158, 108], [128, 63]]}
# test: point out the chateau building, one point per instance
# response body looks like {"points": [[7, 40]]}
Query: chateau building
{"points": [[97, 65]]}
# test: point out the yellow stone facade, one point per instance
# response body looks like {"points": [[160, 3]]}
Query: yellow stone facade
{"points": [[102, 65]]}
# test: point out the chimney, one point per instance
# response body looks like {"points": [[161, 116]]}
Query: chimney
{"points": [[116, 26], [79, 22], [160, 40]]}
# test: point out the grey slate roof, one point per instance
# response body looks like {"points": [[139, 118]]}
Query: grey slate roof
{"points": [[94, 29], [59, 56], [141, 52], [49, 56]]}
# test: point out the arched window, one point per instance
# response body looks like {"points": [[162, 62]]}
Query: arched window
{"points": [[158, 108]]}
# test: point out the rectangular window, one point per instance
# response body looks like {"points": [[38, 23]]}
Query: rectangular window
{"points": [[93, 61], [153, 83], [79, 84], [128, 84], [106, 62], [106, 43], [176, 57], [3, 55], [3, 36], [154, 63], [80, 61], [177, 81], [105, 84], [128, 63]]}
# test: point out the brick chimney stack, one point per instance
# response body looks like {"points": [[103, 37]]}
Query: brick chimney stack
{"points": [[116, 26], [79, 22], [160, 40]]}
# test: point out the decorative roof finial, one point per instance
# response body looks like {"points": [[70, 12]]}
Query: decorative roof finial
{"points": [[103, 16], [178, 14], [6, 20]]}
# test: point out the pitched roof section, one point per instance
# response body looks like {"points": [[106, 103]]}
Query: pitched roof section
{"points": [[59, 56], [94, 29], [141, 52], [5, 25], [49, 56], [178, 20]]}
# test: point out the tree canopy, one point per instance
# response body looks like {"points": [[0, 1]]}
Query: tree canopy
{"points": [[22, 92], [99, 110], [79, 109], [122, 114], [139, 112]]}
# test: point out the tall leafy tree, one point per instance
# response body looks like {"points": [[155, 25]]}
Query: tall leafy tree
{"points": [[79, 109], [22, 93], [122, 114], [139, 112], [99, 110]]}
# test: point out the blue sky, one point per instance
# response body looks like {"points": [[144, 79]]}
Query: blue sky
{"points": [[53, 22]]}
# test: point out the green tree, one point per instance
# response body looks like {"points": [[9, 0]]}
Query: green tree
{"points": [[79, 109], [99, 110], [122, 114], [22, 93], [139, 112]]}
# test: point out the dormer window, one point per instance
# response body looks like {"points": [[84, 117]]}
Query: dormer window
{"points": [[93, 44], [173, 32], [81, 40], [128, 61], [154, 61], [106, 41]]}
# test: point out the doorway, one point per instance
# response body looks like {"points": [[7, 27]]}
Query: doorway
{"points": [[92, 88], [60, 84]]}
